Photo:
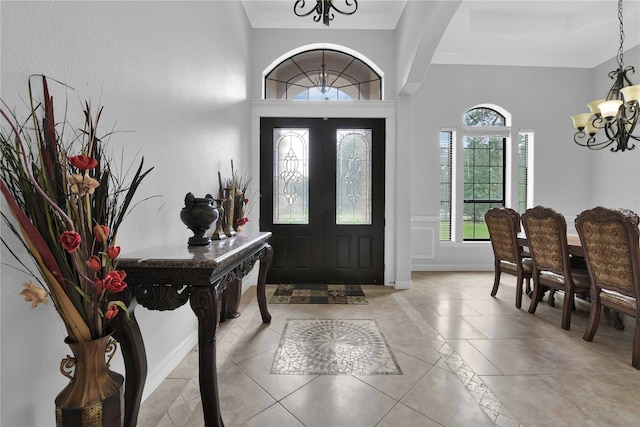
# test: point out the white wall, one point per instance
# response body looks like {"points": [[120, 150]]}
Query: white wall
{"points": [[173, 73]]}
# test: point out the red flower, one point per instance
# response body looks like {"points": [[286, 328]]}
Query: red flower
{"points": [[114, 281], [94, 263], [101, 232], [113, 252], [121, 273], [112, 311], [70, 241], [83, 162], [246, 200]]}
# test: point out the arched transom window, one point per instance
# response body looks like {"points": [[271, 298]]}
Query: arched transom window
{"points": [[323, 74]]}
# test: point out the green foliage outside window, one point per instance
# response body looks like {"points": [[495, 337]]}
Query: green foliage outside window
{"points": [[484, 160]]}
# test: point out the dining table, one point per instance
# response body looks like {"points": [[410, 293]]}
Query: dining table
{"points": [[574, 245]]}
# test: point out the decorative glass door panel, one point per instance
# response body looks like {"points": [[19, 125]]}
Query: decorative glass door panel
{"points": [[353, 179], [322, 197], [291, 176]]}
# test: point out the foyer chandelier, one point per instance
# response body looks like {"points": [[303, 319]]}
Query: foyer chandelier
{"points": [[322, 84], [617, 115], [323, 9]]}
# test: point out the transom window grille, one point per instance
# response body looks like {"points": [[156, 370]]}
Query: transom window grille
{"points": [[323, 74], [483, 116]]}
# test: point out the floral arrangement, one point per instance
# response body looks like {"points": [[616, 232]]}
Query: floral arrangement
{"points": [[68, 199], [236, 188]]}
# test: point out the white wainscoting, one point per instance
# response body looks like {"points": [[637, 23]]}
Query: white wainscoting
{"points": [[428, 253], [425, 234]]}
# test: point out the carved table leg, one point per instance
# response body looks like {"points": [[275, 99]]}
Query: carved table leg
{"points": [[205, 302], [127, 332], [265, 263]]}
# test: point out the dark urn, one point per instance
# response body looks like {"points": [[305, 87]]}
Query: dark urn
{"points": [[199, 214]]}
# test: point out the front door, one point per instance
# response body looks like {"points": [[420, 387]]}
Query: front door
{"points": [[322, 197]]}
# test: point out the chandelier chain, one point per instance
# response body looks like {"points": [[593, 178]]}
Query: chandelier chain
{"points": [[620, 49]]}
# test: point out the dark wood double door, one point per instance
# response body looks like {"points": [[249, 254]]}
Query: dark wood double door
{"points": [[322, 197]]}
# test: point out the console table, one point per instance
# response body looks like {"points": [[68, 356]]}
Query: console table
{"points": [[165, 278]]}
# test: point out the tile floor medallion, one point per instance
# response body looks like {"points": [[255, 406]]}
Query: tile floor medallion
{"points": [[333, 347]]}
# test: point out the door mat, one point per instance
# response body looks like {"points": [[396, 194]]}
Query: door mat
{"points": [[318, 294]]}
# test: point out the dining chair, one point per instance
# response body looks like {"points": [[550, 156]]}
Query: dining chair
{"points": [[610, 239], [546, 232], [504, 225]]}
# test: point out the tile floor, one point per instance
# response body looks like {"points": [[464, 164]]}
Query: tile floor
{"points": [[467, 359]]}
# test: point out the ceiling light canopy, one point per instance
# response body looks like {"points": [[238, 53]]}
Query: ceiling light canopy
{"points": [[323, 9], [617, 115]]}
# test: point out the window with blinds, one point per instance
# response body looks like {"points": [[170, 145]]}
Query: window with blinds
{"points": [[446, 173], [524, 176]]}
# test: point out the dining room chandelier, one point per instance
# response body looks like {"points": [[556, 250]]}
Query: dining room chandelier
{"points": [[617, 115], [323, 9]]}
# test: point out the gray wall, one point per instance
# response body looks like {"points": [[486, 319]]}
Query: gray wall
{"points": [[269, 44], [567, 177], [156, 68], [539, 99], [615, 177]]}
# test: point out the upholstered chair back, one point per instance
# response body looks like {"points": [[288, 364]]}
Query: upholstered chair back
{"points": [[546, 232], [504, 224], [610, 238]]}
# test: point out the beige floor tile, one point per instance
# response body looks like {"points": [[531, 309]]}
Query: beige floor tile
{"points": [[410, 340], [445, 307], [278, 386], [544, 356], [240, 397], [441, 396], [258, 338], [610, 403], [506, 326], [467, 359], [156, 405], [403, 416], [338, 400], [188, 367], [454, 327], [397, 386], [476, 361], [274, 416], [630, 379], [535, 403], [500, 305]]}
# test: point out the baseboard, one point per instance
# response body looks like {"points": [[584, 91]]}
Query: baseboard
{"points": [[402, 284], [452, 267], [160, 373]]}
